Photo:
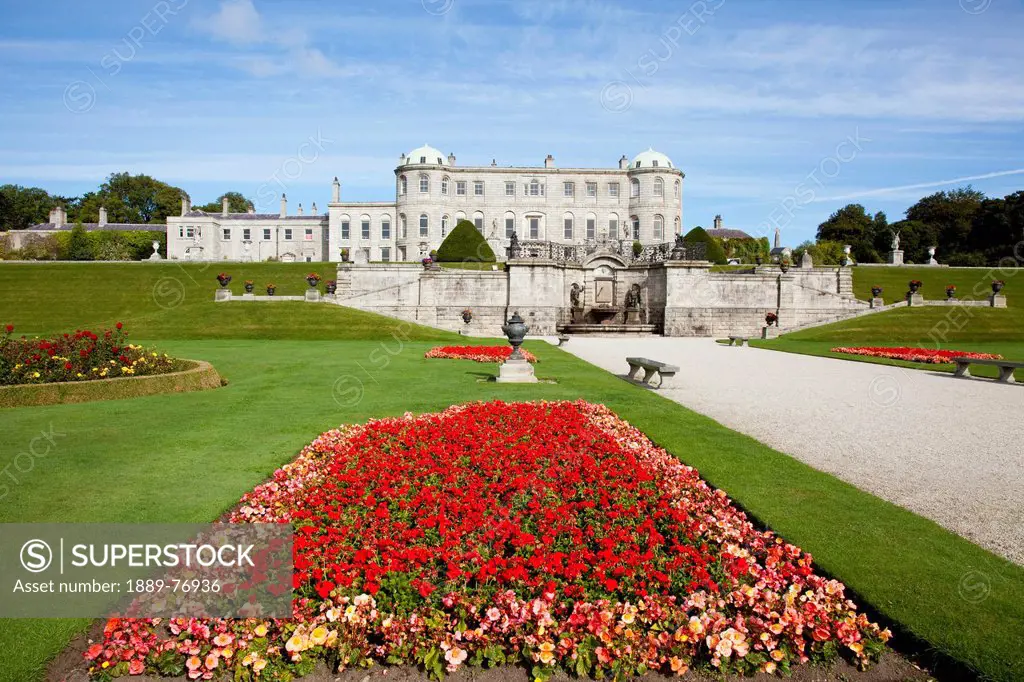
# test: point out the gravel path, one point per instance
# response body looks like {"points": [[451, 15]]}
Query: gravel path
{"points": [[948, 449]]}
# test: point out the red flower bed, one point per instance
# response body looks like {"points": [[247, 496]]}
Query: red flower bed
{"points": [[552, 534], [478, 353], [931, 356], [81, 356]]}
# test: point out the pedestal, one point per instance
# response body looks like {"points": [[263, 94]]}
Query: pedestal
{"points": [[516, 371], [915, 299], [896, 257], [877, 303], [633, 316], [222, 295], [249, 297], [577, 315], [770, 332], [312, 295], [997, 300]]}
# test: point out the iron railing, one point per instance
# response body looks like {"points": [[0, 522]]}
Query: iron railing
{"points": [[621, 249]]}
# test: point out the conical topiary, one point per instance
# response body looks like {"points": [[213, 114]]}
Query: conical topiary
{"points": [[465, 243], [715, 252]]}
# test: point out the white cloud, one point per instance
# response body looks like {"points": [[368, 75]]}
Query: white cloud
{"points": [[237, 22]]}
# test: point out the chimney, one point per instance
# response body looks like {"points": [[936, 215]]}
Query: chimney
{"points": [[186, 204], [312, 211], [451, 159], [284, 206], [336, 191], [58, 216], [300, 209], [103, 217], [224, 208], [549, 162], [623, 162], [718, 222], [778, 238], [401, 159], [494, 162]]}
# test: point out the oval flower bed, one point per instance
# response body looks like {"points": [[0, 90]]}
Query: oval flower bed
{"points": [[927, 355], [552, 534], [478, 353]]}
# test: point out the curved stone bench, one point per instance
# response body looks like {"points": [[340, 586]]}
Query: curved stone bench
{"points": [[199, 377]]}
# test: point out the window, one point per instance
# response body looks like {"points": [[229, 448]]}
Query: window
{"points": [[188, 232], [567, 226], [591, 227], [510, 226], [535, 189], [613, 189], [287, 234], [266, 232], [659, 228], [478, 222], [364, 227], [424, 225], [424, 184], [402, 185], [510, 188], [344, 230], [591, 189], [676, 190], [613, 226], [385, 254], [444, 226], [534, 228], [569, 189], [247, 234], [309, 234], [478, 188], [636, 227], [444, 185], [460, 188], [403, 225], [659, 187], [634, 188], [654, 163], [385, 228]]}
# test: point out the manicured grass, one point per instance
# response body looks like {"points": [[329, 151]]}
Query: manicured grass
{"points": [[468, 265], [971, 283]]}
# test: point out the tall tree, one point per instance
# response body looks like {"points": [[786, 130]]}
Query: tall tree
{"points": [[132, 199], [853, 225], [237, 203], [951, 215], [22, 207]]}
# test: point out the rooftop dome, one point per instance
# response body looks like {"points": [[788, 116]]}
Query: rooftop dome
{"points": [[651, 159], [427, 154]]}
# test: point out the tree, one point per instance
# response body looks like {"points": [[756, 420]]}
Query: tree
{"points": [[22, 207], [915, 238], [79, 244], [465, 243], [950, 215], [714, 253], [237, 203], [132, 199]]}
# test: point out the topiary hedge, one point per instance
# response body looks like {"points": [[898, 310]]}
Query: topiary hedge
{"points": [[465, 243], [715, 253]]}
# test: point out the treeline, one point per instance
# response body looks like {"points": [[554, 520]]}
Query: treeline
{"points": [[966, 227], [128, 199]]}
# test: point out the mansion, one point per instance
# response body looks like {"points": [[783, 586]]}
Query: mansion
{"points": [[639, 200]]}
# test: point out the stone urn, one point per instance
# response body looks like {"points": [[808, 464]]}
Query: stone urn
{"points": [[784, 266], [467, 316], [515, 329], [331, 286], [271, 290], [914, 286], [249, 286], [997, 286], [950, 293], [312, 281], [876, 291], [224, 280]]}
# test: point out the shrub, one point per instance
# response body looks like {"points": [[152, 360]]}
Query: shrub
{"points": [[971, 259], [638, 248], [465, 243], [39, 247], [79, 244], [715, 254]]}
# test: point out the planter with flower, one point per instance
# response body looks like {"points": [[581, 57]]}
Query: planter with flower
{"points": [[249, 286], [467, 315], [271, 288], [331, 286], [876, 291], [771, 319], [951, 292], [224, 279], [785, 264], [997, 285], [914, 285], [313, 279]]}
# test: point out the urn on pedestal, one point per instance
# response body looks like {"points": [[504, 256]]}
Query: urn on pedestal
{"points": [[516, 370]]}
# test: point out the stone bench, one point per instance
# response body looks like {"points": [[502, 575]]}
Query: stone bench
{"points": [[651, 368], [1006, 368], [741, 339], [563, 339]]}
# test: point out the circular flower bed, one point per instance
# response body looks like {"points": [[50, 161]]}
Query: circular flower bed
{"points": [[931, 356], [549, 534], [477, 353], [81, 356]]}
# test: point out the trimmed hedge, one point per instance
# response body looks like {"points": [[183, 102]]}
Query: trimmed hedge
{"points": [[198, 376], [465, 243], [715, 253]]}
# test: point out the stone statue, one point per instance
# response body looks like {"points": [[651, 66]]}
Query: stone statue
{"points": [[896, 241], [633, 296], [494, 229], [513, 246], [156, 252], [574, 295]]}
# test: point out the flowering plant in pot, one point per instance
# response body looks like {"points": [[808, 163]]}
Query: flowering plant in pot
{"points": [[876, 291], [951, 291], [271, 288], [914, 285], [427, 261], [249, 285], [784, 265], [224, 279], [313, 279], [331, 286], [467, 315], [771, 319], [997, 285]]}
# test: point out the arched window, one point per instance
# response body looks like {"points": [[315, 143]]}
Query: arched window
{"points": [[444, 226], [385, 227], [567, 226], [659, 187], [613, 226], [634, 222], [478, 221], [510, 224], [459, 216], [535, 189], [424, 225], [659, 228], [634, 188], [424, 183], [364, 227], [591, 226], [403, 226], [346, 226], [444, 185], [403, 185], [678, 186]]}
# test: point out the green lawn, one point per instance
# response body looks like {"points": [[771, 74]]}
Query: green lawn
{"points": [[139, 460], [970, 283]]}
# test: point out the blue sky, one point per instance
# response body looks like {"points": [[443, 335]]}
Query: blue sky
{"points": [[778, 112]]}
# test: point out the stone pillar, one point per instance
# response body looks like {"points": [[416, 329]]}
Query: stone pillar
{"points": [[877, 303], [103, 217], [914, 299], [225, 209], [997, 300], [896, 257]]}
